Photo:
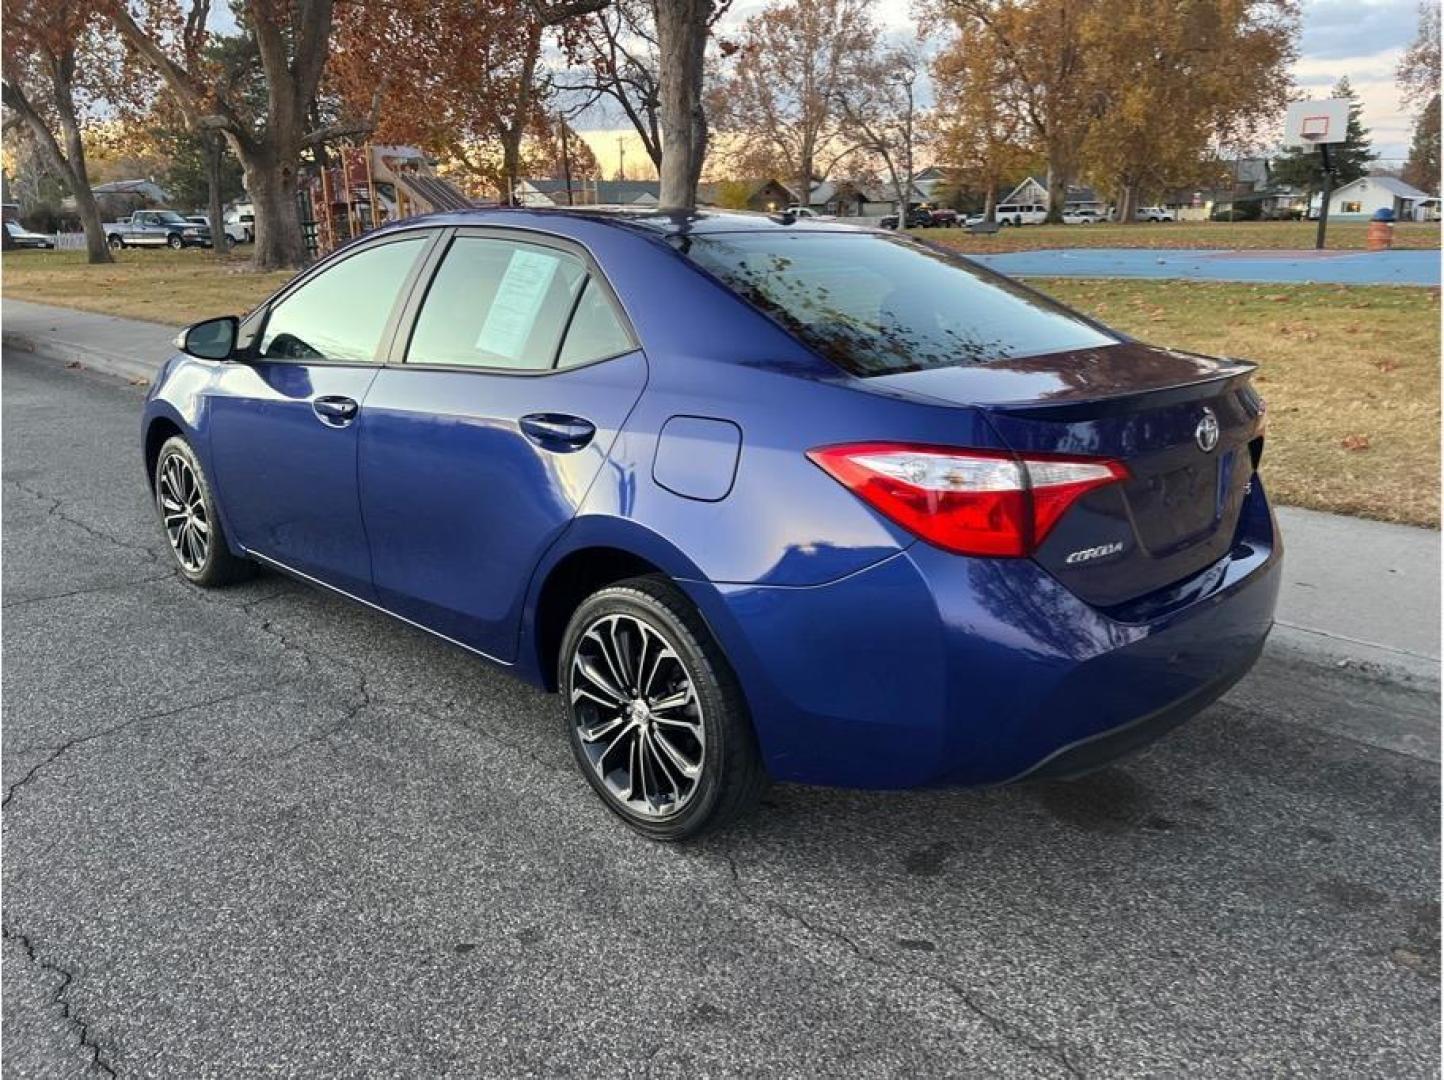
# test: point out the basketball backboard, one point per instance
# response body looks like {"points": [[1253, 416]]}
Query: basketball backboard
{"points": [[1313, 123]]}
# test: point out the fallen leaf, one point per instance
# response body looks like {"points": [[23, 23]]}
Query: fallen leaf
{"points": [[1355, 442]]}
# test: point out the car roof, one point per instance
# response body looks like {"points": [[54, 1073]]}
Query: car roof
{"points": [[656, 222]]}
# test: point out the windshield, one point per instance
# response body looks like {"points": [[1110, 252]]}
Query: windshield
{"points": [[168, 216], [877, 304]]}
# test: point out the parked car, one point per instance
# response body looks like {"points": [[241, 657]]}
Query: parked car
{"points": [[241, 224], [1021, 214], [945, 217], [794, 500], [21, 237], [1081, 217], [202, 219], [157, 228], [1154, 213], [918, 218]]}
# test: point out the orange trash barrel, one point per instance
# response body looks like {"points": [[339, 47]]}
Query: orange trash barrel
{"points": [[1381, 232]]}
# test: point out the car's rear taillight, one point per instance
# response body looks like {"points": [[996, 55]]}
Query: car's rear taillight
{"points": [[973, 502]]}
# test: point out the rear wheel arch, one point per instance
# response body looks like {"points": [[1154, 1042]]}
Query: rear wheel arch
{"points": [[574, 577]]}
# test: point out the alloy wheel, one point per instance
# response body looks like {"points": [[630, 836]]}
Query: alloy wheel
{"points": [[637, 715], [183, 509]]}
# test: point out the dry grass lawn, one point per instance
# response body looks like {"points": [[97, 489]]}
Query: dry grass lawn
{"points": [[164, 286], [1351, 373], [1225, 235]]}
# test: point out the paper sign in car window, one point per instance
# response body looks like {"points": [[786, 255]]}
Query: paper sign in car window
{"points": [[518, 300]]}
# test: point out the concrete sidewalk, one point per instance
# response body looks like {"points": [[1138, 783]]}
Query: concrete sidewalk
{"points": [[1358, 593], [125, 347]]}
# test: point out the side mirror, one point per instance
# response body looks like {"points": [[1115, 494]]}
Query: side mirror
{"points": [[214, 339]]}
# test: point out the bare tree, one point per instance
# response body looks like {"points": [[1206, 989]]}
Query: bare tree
{"points": [[292, 41], [877, 98], [614, 57], [782, 97]]}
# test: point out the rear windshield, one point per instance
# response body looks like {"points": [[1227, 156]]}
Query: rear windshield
{"points": [[877, 304]]}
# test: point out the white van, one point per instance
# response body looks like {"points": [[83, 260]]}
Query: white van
{"points": [[241, 223], [1021, 214]]}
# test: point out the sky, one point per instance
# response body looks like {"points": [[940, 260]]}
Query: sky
{"points": [[1362, 39]]}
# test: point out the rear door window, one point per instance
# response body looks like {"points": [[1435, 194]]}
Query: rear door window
{"points": [[596, 332], [497, 304]]}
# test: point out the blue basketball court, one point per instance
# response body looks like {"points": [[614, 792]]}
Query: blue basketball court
{"points": [[1294, 267]]}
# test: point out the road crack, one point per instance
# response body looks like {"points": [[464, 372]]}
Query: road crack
{"points": [[1056, 1052], [87, 591], [61, 997], [58, 751], [56, 510]]}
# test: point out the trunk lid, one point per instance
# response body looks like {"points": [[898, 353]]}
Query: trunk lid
{"points": [[1186, 426]]}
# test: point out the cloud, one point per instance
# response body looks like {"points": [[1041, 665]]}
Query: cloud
{"points": [[1337, 29]]}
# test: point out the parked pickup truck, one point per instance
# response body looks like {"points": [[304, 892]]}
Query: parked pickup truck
{"points": [[157, 228]]}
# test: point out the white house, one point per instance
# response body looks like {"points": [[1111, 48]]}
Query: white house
{"points": [[1358, 200], [548, 192], [1034, 191]]}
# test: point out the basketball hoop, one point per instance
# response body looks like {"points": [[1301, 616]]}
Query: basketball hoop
{"points": [[1314, 129]]}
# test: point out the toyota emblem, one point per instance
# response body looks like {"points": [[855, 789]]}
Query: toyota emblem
{"points": [[1206, 434]]}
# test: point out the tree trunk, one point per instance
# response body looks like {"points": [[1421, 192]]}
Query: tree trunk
{"points": [[681, 41], [279, 244], [72, 160], [215, 149], [1057, 193], [1127, 203], [990, 204], [510, 163]]}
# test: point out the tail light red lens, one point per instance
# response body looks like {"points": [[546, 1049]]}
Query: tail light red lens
{"points": [[972, 502]]}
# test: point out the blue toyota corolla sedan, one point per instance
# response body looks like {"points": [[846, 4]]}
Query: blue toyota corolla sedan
{"points": [[761, 498]]}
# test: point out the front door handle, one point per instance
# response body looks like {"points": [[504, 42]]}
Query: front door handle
{"points": [[557, 431], [334, 410]]}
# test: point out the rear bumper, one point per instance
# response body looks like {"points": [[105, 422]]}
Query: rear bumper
{"points": [[931, 669], [1093, 752]]}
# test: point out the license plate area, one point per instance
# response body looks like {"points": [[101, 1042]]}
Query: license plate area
{"points": [[1176, 506]]}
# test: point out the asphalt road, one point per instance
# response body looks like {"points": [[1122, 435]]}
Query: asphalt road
{"points": [[262, 830]]}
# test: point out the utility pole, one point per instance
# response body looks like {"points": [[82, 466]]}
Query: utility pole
{"points": [[566, 159], [621, 158]]}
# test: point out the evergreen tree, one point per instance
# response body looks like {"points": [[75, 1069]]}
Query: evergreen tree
{"points": [[1422, 168], [1303, 166]]}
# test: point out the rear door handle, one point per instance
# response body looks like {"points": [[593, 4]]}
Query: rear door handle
{"points": [[558, 431], [334, 410]]}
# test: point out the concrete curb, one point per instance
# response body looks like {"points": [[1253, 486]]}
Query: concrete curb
{"points": [[67, 352], [1322, 649]]}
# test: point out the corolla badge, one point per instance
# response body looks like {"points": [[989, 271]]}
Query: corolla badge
{"points": [[1206, 434], [1089, 554]]}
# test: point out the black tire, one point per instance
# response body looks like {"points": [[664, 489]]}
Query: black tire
{"points": [[115, 242], [174, 242], [218, 566], [731, 777]]}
